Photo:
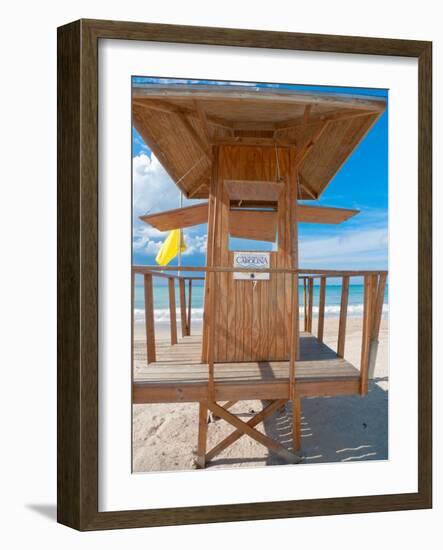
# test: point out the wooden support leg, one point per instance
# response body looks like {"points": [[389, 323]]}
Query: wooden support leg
{"points": [[202, 434], [296, 424]]}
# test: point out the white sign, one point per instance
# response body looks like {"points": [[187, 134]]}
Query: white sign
{"points": [[255, 260]]}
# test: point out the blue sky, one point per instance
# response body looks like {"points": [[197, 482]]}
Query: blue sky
{"points": [[362, 183]]}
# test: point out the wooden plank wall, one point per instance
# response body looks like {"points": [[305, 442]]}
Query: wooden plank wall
{"points": [[252, 319]]}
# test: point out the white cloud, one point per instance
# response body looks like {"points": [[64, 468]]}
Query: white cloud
{"points": [[154, 191], [364, 246], [196, 243]]}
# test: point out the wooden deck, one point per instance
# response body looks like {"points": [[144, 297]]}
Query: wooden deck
{"points": [[179, 376]]}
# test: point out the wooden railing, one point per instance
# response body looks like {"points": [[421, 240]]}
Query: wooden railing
{"points": [[374, 289], [185, 308]]}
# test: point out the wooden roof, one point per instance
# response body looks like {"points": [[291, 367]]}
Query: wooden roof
{"points": [[198, 214], [180, 123]]}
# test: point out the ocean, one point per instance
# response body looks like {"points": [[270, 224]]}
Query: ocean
{"points": [[332, 307]]}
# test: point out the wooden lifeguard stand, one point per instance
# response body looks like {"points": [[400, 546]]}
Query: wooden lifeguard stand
{"points": [[253, 153]]}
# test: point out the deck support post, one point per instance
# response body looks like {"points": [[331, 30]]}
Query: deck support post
{"points": [[172, 311], [343, 317], [296, 424], [149, 319], [368, 323], [310, 302], [293, 354], [321, 309], [189, 306], [305, 305], [375, 329], [183, 320], [202, 433]]}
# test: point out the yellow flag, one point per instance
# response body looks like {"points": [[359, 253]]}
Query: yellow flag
{"points": [[169, 249]]}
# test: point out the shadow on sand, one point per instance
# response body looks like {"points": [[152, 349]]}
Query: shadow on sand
{"points": [[336, 429]]}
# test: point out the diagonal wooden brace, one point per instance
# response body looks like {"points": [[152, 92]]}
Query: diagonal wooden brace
{"points": [[254, 434], [237, 434]]}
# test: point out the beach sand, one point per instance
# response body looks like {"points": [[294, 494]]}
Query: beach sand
{"points": [[334, 429]]}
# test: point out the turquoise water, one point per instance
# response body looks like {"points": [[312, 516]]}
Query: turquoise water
{"points": [[332, 307]]}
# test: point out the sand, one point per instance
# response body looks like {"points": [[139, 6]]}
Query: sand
{"points": [[334, 429]]}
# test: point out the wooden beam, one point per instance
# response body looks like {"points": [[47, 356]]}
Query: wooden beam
{"points": [[310, 302], [178, 218], [307, 188], [217, 269], [377, 315], [254, 125], [229, 404], [343, 317], [202, 144], [202, 433], [172, 311], [149, 318], [296, 424], [196, 214], [191, 393], [251, 95], [197, 187], [324, 214], [380, 296], [332, 116], [169, 108], [189, 306], [305, 149], [321, 309], [211, 337], [253, 224], [306, 114], [203, 120], [140, 126], [253, 190], [183, 320], [368, 310], [213, 205], [250, 141]]}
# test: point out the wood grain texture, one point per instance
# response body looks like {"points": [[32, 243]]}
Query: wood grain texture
{"points": [[251, 224], [189, 314], [321, 309], [250, 190], [172, 311], [77, 479], [244, 115], [178, 218], [69, 366], [239, 306], [196, 214], [183, 316], [343, 317]]}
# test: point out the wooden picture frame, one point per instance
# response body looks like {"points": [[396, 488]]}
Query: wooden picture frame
{"points": [[78, 274]]}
